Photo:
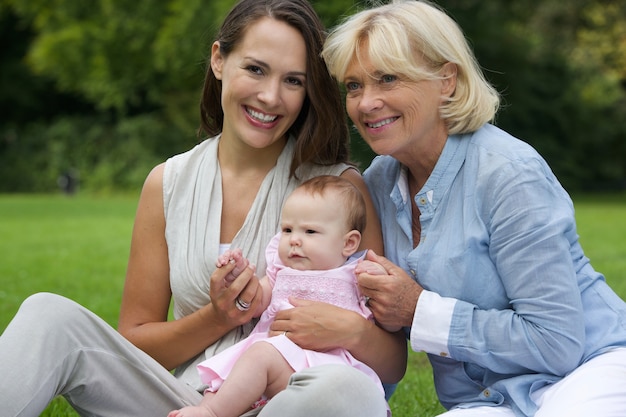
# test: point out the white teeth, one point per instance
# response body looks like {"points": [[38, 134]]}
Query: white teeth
{"points": [[382, 122], [265, 118]]}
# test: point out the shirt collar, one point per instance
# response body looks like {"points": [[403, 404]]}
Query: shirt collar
{"points": [[446, 169]]}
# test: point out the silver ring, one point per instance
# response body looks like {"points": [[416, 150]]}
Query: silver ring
{"points": [[285, 333], [367, 301], [241, 305]]}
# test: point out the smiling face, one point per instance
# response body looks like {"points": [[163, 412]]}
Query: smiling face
{"points": [[263, 83], [394, 115], [314, 231]]}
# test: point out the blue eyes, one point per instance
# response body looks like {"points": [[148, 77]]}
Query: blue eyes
{"points": [[352, 86]]}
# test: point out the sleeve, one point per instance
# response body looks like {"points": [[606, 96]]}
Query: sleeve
{"points": [[431, 323], [274, 263], [531, 228]]}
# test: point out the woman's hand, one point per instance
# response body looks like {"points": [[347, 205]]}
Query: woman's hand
{"points": [[392, 297], [318, 326], [235, 302]]}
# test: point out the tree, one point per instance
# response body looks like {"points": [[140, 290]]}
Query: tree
{"points": [[561, 68]]}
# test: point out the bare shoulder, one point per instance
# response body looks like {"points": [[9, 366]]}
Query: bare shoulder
{"points": [[154, 180]]}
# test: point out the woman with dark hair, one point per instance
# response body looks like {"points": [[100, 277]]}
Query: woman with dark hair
{"points": [[274, 115]]}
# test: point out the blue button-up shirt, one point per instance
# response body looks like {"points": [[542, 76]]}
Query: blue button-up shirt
{"points": [[511, 303]]}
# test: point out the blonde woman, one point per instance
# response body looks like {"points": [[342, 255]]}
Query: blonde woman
{"points": [[484, 266]]}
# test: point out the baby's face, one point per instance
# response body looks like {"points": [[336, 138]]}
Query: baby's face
{"points": [[313, 232]]}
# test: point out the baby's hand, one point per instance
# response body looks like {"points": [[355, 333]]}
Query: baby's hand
{"points": [[370, 267], [232, 256], [374, 268]]}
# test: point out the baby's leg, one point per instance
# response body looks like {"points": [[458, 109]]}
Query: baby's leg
{"points": [[193, 411], [261, 370]]}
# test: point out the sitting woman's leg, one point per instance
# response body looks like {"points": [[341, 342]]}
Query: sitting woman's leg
{"points": [[328, 391], [596, 388], [54, 346]]}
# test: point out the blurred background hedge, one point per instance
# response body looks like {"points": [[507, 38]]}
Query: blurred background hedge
{"points": [[103, 90]]}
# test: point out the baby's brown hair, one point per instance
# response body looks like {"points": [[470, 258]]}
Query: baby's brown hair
{"points": [[352, 198]]}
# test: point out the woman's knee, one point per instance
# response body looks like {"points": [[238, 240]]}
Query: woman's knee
{"points": [[318, 377], [345, 392], [45, 302], [47, 311]]}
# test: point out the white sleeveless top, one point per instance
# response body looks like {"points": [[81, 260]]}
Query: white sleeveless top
{"points": [[192, 199]]}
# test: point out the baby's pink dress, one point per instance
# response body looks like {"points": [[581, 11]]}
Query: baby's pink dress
{"points": [[335, 286]]}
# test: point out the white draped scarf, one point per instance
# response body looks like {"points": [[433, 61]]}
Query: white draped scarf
{"points": [[192, 194]]}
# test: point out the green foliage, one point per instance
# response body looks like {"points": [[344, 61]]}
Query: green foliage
{"points": [[107, 156], [561, 92], [332, 12], [559, 65], [99, 49], [126, 56]]}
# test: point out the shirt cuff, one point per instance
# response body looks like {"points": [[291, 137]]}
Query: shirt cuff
{"points": [[431, 324]]}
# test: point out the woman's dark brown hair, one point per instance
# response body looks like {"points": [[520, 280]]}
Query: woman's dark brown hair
{"points": [[320, 130]]}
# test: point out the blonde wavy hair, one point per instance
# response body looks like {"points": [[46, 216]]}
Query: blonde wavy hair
{"points": [[415, 39]]}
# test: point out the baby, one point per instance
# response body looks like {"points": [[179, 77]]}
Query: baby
{"points": [[313, 257]]}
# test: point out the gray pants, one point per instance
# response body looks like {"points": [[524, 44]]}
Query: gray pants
{"points": [[54, 346]]}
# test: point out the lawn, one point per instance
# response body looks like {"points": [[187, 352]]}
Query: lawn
{"points": [[78, 247]]}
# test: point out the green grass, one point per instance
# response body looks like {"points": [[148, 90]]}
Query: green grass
{"points": [[602, 227], [78, 247]]}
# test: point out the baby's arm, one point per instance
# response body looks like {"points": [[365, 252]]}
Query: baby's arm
{"points": [[370, 267], [374, 268], [234, 256], [266, 286]]}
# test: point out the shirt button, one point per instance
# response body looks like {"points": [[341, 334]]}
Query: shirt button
{"points": [[412, 272], [422, 200], [486, 393]]}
